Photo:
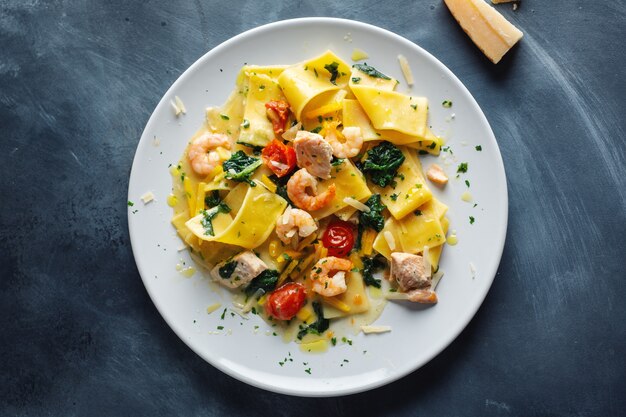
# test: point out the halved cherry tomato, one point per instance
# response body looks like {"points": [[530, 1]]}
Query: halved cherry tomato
{"points": [[278, 113], [280, 158], [339, 238], [284, 303]]}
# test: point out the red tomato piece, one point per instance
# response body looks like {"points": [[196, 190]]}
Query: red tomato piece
{"points": [[278, 113], [284, 303], [280, 158], [339, 238]]}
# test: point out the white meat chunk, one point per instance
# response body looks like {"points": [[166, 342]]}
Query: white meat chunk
{"points": [[409, 271], [313, 153], [239, 270]]}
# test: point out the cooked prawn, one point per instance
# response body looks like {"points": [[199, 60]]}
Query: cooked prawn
{"points": [[202, 153], [350, 146], [294, 222], [297, 189], [313, 153], [329, 276]]}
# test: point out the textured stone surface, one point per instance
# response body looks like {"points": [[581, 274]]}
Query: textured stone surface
{"points": [[78, 81]]}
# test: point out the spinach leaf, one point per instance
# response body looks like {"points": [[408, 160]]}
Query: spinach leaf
{"points": [[240, 167], [319, 326], [370, 265], [382, 163], [371, 71], [227, 269], [373, 219], [281, 187], [212, 199], [209, 215], [266, 281]]}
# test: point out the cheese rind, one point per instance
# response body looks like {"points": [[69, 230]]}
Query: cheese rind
{"points": [[487, 28]]}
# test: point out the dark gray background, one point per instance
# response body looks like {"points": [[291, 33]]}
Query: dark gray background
{"points": [[79, 335]]}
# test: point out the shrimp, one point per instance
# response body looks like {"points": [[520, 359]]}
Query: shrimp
{"points": [[313, 153], [297, 188], [329, 276], [202, 153], [348, 148], [294, 222]]}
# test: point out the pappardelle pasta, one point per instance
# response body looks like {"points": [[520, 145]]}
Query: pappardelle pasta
{"points": [[305, 185]]}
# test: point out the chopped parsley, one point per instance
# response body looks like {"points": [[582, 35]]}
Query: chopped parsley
{"points": [[417, 212], [130, 203], [224, 117], [414, 107], [371, 71], [356, 80], [394, 197], [317, 129], [478, 148], [462, 167], [333, 341], [471, 219], [467, 183], [332, 69], [220, 327], [245, 124], [337, 161], [447, 104]]}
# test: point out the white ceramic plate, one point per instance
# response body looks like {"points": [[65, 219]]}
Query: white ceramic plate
{"points": [[418, 334]]}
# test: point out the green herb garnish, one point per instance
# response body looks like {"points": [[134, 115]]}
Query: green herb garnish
{"points": [[371, 71], [332, 69], [240, 167], [382, 163], [462, 167]]}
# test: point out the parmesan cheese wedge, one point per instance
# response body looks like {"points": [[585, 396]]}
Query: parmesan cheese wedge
{"points": [[487, 28], [375, 329]]}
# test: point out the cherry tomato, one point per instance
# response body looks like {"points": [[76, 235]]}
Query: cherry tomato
{"points": [[283, 303], [339, 238], [280, 158], [278, 113]]}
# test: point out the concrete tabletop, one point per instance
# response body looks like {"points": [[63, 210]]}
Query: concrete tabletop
{"points": [[80, 336]]}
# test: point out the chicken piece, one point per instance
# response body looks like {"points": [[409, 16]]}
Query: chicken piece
{"points": [[313, 153], [239, 270], [409, 271], [436, 175]]}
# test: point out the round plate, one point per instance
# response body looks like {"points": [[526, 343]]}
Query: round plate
{"points": [[252, 354]]}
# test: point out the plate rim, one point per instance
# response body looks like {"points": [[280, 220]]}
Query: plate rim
{"points": [[490, 275]]}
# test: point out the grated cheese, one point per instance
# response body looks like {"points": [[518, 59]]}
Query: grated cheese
{"points": [[213, 307], [147, 197], [406, 70], [356, 204], [375, 329], [290, 134], [472, 269], [179, 106], [391, 242]]}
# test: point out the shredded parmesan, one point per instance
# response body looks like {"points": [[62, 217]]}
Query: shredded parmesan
{"points": [[179, 106], [147, 197], [252, 300], [436, 278], [213, 307], [356, 204], [279, 165], [396, 296], [472, 269], [406, 70], [391, 242], [290, 134], [426, 258], [375, 329]]}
